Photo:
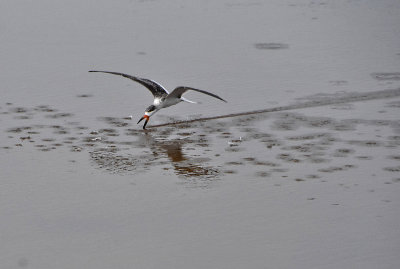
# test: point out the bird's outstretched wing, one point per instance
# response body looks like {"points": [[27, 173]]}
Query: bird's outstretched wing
{"points": [[156, 89], [178, 91]]}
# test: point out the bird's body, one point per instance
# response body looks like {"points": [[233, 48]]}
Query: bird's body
{"points": [[162, 98]]}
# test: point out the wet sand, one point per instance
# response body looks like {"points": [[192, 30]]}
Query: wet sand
{"points": [[300, 169]]}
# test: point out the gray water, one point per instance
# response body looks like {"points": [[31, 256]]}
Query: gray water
{"points": [[299, 169]]}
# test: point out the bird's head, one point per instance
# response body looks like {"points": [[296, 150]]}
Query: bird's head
{"points": [[147, 114]]}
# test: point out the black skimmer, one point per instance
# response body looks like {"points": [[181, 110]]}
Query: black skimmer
{"points": [[162, 98]]}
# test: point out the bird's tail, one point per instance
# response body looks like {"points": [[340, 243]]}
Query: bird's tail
{"points": [[189, 101]]}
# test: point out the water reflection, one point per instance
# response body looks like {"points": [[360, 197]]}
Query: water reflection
{"points": [[156, 150], [184, 166], [272, 145]]}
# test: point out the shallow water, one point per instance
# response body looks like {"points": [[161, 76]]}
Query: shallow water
{"points": [[259, 141], [299, 168]]}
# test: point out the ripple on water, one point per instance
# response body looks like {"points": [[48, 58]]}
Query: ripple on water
{"points": [[19, 110], [313, 176], [85, 95], [343, 152], [365, 143], [263, 174], [157, 146], [395, 104], [59, 115], [44, 108], [333, 169], [338, 82], [19, 129], [115, 122], [386, 75], [394, 157], [271, 46], [392, 168], [364, 158], [109, 132]]}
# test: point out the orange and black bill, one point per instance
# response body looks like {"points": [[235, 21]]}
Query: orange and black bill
{"points": [[145, 123]]}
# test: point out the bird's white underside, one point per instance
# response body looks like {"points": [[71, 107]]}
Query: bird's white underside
{"points": [[157, 101]]}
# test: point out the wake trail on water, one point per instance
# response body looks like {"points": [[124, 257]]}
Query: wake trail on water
{"points": [[322, 101]]}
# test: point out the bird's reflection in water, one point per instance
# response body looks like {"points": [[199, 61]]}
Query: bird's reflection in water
{"points": [[183, 165], [164, 152]]}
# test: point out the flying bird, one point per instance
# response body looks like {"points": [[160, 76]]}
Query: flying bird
{"points": [[162, 98]]}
